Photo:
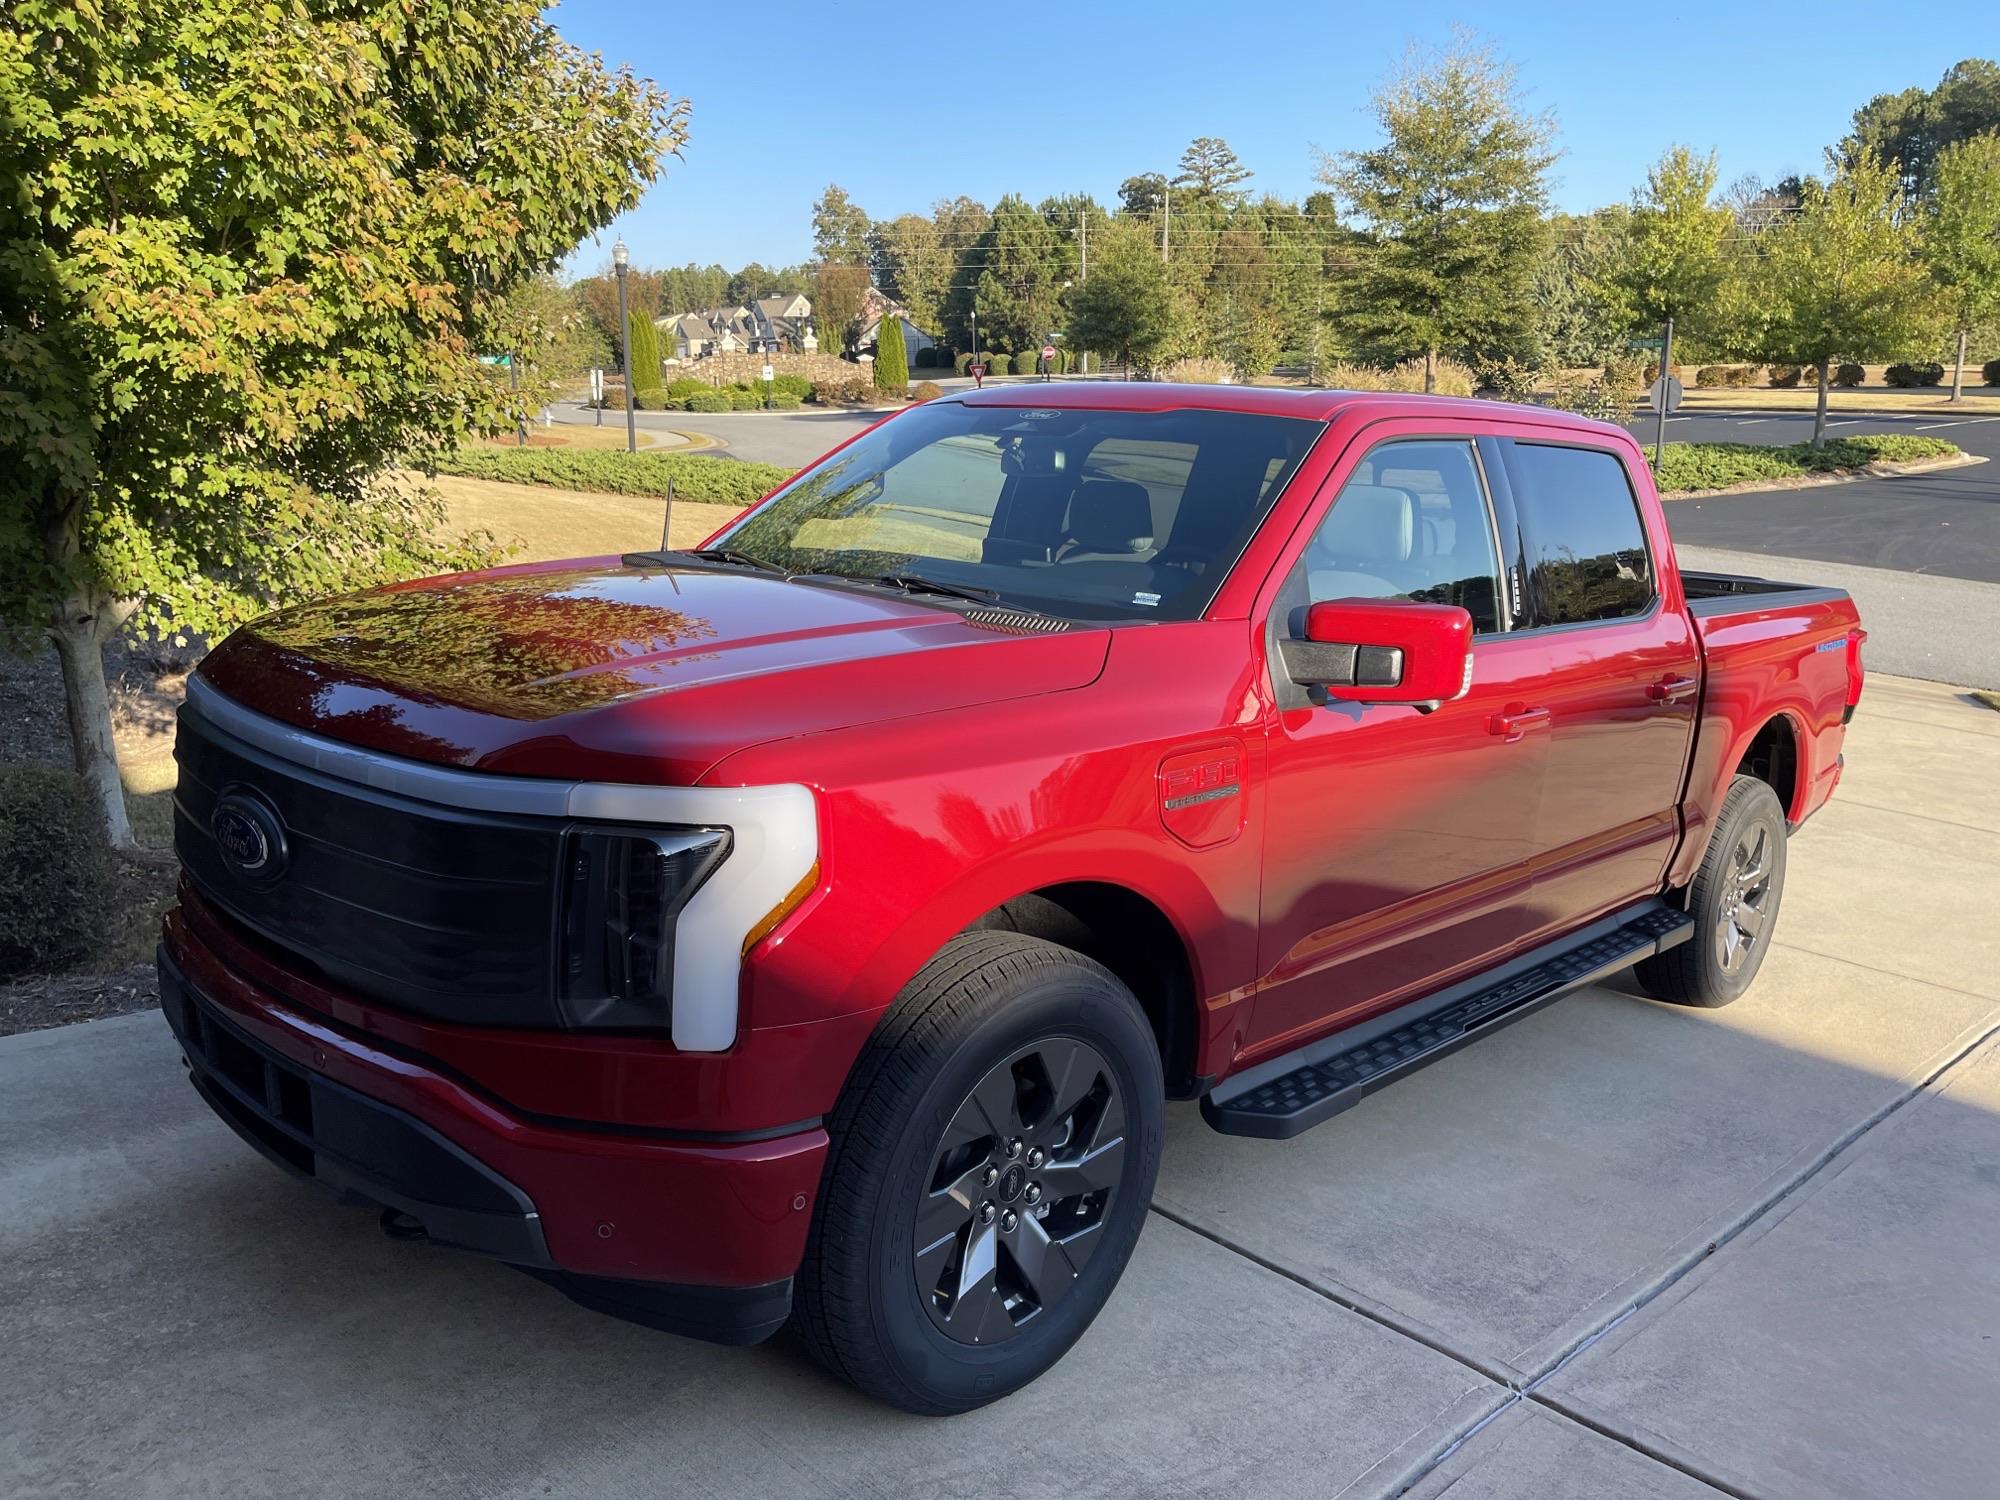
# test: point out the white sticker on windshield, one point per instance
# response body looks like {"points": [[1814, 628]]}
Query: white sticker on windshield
{"points": [[1149, 600]]}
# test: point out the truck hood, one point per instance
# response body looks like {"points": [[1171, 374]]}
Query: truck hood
{"points": [[600, 671]]}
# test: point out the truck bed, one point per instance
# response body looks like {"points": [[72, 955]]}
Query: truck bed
{"points": [[1710, 594]]}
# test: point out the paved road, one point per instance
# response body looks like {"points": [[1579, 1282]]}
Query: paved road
{"points": [[1946, 523], [1500, 1277]]}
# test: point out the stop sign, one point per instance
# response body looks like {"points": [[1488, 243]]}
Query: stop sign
{"points": [[1048, 351]]}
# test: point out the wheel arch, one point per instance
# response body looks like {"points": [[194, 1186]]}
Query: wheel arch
{"points": [[1774, 754]]}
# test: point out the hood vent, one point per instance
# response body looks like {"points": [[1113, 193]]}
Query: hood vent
{"points": [[1017, 621]]}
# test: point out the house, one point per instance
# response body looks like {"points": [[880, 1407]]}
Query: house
{"points": [[769, 325]]}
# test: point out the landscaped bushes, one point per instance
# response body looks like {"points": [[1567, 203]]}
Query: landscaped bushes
{"points": [[924, 359], [708, 401], [999, 364], [1786, 376], [1910, 376], [710, 481], [686, 386], [54, 869], [926, 390], [1713, 466], [959, 362], [742, 398], [792, 385], [786, 400], [1849, 375], [851, 388], [1720, 375], [1991, 371]]}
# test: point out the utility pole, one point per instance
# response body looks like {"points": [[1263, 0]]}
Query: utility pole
{"points": [[1666, 367], [1083, 255], [1166, 220], [619, 256]]}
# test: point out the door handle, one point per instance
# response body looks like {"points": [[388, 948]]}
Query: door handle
{"points": [[1672, 689], [1515, 720]]}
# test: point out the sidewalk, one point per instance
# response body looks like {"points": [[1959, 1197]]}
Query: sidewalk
{"points": [[1620, 1249]]}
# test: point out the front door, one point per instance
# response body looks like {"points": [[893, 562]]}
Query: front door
{"points": [[1397, 842]]}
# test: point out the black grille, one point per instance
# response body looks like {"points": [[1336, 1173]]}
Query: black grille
{"points": [[447, 913]]}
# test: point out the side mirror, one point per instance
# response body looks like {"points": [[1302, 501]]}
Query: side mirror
{"points": [[1384, 651]]}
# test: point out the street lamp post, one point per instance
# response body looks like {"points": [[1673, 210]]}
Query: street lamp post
{"points": [[621, 258]]}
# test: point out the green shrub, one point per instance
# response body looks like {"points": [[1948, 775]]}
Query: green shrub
{"points": [[744, 398], [1786, 376], [1849, 375], [792, 385], [1713, 466], [710, 481], [707, 401], [645, 371], [1743, 375], [892, 357], [786, 400], [1507, 379], [926, 390], [998, 364], [687, 386], [924, 359], [55, 870], [1713, 375], [848, 388], [960, 361], [1910, 376], [1991, 371]]}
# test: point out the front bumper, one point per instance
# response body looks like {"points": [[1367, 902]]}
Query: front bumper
{"points": [[695, 1236]]}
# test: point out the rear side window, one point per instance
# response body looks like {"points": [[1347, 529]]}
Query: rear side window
{"points": [[1586, 547]]}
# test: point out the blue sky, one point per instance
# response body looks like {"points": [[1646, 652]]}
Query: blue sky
{"points": [[1041, 98]]}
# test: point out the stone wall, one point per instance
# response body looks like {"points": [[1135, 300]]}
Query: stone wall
{"points": [[748, 369]]}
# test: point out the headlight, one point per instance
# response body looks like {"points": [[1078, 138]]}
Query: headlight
{"points": [[623, 892]]}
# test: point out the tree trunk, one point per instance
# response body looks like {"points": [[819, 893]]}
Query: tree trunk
{"points": [[1958, 369], [1430, 370], [79, 637], [1819, 413]]}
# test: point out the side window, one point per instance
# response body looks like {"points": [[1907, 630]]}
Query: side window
{"points": [[1586, 546], [1410, 523]]}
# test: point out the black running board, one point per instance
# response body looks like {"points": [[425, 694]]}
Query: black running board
{"points": [[1275, 1101]]}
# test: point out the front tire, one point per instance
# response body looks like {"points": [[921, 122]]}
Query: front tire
{"points": [[992, 1162], [1734, 900]]}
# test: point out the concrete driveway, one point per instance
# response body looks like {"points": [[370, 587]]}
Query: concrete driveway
{"points": [[1620, 1249]]}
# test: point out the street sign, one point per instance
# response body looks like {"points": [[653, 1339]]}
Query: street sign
{"points": [[1048, 351], [1649, 343], [1664, 394], [770, 373], [504, 361]]}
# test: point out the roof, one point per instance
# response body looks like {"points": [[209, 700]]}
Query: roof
{"points": [[1275, 401]]}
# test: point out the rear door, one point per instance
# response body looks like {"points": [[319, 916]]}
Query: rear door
{"points": [[1622, 680], [1396, 842]]}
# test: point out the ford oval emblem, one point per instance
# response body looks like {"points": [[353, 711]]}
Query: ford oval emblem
{"points": [[248, 836]]}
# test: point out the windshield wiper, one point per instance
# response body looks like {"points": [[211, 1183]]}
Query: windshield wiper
{"points": [[916, 583], [732, 556]]}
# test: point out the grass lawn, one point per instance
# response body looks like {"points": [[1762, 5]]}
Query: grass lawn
{"points": [[1978, 401], [552, 523], [1697, 468]]}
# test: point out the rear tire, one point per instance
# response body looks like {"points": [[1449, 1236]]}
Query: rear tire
{"points": [[1734, 900], [1013, 1079]]}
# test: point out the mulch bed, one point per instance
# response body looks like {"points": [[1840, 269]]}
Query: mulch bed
{"points": [[59, 999]]}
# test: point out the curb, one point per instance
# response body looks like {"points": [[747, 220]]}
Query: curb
{"points": [[1840, 476]]}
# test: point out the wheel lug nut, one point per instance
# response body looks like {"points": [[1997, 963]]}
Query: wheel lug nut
{"points": [[1034, 1193], [990, 1176], [1036, 1156], [1008, 1220], [986, 1213], [1013, 1148]]}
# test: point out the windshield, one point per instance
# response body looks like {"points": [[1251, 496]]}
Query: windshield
{"points": [[1084, 514]]}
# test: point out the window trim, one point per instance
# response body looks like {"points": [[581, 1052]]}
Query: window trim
{"points": [[1506, 443]]}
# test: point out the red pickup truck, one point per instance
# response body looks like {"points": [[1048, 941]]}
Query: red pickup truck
{"points": [[812, 926]]}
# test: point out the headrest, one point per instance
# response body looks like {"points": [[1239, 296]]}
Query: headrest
{"points": [[1111, 515], [1371, 523]]}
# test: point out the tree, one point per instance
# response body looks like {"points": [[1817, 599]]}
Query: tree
{"points": [[645, 291], [1452, 199], [1127, 307], [1142, 196], [1581, 315], [892, 356], [1962, 238], [1910, 129], [1017, 268], [840, 228], [913, 265], [1841, 278], [1209, 168], [839, 294], [644, 376], [246, 255], [1675, 254], [553, 333], [1246, 327]]}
